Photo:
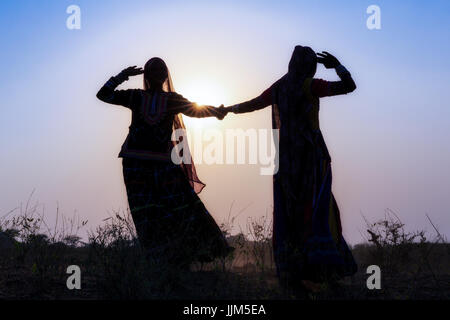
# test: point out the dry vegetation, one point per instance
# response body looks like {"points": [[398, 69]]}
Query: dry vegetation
{"points": [[34, 258]]}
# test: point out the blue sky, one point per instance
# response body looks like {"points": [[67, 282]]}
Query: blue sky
{"points": [[388, 139]]}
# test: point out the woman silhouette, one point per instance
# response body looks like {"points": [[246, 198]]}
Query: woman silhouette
{"points": [[307, 234], [170, 219]]}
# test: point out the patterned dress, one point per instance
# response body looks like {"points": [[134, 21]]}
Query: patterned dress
{"points": [[307, 232], [170, 219]]}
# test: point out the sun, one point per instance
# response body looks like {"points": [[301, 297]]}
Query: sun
{"points": [[203, 92]]}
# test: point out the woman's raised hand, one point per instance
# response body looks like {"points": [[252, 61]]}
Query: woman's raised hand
{"points": [[131, 71], [328, 60]]}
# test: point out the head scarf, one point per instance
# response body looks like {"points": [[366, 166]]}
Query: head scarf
{"points": [[291, 102], [290, 109]]}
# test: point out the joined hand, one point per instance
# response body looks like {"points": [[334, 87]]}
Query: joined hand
{"points": [[222, 112]]}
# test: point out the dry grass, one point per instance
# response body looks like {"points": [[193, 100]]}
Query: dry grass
{"points": [[34, 258]]}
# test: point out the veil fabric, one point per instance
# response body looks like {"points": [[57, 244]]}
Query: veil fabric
{"points": [[290, 110], [178, 123]]}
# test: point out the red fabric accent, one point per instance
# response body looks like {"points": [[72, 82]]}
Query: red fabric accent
{"points": [[320, 88]]}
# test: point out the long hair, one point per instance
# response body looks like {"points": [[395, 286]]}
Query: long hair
{"points": [[156, 74]]}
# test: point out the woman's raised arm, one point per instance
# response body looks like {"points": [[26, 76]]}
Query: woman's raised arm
{"points": [[108, 92], [322, 88]]}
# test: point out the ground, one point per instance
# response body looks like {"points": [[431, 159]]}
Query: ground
{"points": [[33, 265]]}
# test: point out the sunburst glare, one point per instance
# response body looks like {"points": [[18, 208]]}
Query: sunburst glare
{"points": [[204, 91]]}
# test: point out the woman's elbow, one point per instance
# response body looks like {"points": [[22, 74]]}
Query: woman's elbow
{"points": [[101, 96], [351, 87]]}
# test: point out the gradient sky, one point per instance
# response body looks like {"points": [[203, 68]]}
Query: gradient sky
{"points": [[389, 140]]}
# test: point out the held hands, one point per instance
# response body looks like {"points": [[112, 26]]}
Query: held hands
{"points": [[221, 112], [328, 60], [224, 111]]}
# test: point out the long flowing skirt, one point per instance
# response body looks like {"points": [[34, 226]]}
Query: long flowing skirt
{"points": [[307, 233], [169, 217]]}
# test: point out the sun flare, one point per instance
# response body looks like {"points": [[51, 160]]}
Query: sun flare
{"points": [[203, 92]]}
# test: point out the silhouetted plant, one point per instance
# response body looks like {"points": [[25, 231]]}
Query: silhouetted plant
{"points": [[115, 266]]}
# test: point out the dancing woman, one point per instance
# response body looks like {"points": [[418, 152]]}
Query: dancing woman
{"points": [[307, 234], [170, 219]]}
